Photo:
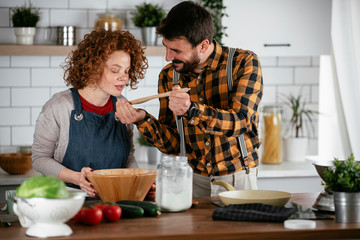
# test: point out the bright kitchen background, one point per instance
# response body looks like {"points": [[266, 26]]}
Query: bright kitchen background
{"points": [[27, 82]]}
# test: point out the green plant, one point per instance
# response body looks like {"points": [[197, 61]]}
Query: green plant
{"points": [[344, 176], [299, 112], [216, 8], [142, 141], [25, 16], [148, 15]]}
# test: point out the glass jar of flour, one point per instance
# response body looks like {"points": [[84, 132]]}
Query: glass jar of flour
{"points": [[174, 184]]}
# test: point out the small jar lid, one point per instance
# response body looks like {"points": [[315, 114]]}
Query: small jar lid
{"points": [[272, 108], [299, 224]]}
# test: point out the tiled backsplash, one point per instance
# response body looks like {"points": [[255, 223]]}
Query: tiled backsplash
{"points": [[27, 82]]}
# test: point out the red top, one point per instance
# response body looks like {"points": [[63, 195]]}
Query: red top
{"points": [[103, 110]]}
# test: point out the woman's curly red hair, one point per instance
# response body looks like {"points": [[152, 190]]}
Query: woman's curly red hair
{"points": [[86, 63]]}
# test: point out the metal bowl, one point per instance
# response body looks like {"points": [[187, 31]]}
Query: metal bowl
{"points": [[321, 166]]}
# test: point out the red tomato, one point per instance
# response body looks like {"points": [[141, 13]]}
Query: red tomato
{"points": [[101, 206], [91, 216], [111, 213], [78, 217]]}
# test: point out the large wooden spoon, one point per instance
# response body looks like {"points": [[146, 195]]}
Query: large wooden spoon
{"points": [[161, 95]]}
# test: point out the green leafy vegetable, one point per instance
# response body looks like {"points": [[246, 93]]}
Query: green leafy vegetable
{"points": [[344, 176], [42, 186]]}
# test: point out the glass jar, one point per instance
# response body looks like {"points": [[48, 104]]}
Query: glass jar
{"points": [[107, 21], [174, 184], [272, 135]]}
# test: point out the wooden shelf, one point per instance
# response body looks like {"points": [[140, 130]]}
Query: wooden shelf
{"points": [[55, 50]]}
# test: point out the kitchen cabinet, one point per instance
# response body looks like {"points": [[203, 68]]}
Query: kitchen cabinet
{"points": [[197, 223], [279, 27], [55, 50]]}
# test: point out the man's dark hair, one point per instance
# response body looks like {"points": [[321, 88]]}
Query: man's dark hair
{"points": [[190, 20]]}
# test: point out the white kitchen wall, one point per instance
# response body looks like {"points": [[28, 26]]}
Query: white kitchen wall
{"points": [[26, 82]]}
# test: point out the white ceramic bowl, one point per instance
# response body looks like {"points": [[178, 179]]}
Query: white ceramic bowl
{"points": [[46, 217]]}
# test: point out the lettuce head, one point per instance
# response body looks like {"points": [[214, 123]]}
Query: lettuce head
{"points": [[43, 187]]}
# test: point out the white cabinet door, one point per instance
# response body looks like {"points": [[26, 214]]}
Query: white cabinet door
{"points": [[279, 27]]}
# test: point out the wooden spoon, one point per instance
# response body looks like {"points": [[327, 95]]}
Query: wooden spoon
{"points": [[161, 95]]}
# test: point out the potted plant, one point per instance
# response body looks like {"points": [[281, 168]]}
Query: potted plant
{"points": [[24, 20], [152, 153], [147, 16], [344, 181], [216, 8], [295, 142]]}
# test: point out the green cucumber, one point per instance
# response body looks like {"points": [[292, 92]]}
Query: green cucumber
{"points": [[130, 211], [150, 209]]}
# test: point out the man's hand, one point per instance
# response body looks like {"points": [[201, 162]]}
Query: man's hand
{"points": [[127, 114], [179, 102]]}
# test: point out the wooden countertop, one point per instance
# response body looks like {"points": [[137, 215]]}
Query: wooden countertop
{"points": [[196, 223]]}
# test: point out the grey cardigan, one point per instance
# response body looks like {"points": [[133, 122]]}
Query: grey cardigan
{"points": [[52, 135]]}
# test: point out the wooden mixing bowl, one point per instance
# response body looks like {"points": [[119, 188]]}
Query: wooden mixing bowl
{"points": [[16, 163], [114, 185]]}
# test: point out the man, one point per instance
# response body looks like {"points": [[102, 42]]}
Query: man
{"points": [[214, 115]]}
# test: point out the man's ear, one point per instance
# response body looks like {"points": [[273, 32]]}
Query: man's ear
{"points": [[204, 45]]}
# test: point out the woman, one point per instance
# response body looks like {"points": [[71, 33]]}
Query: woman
{"points": [[77, 130]]}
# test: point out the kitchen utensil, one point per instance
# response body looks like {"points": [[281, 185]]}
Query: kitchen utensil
{"points": [[304, 212], [275, 198], [299, 224], [9, 200], [325, 200], [233, 196], [16, 163], [174, 184], [321, 166], [25, 149], [108, 21], [114, 185], [272, 135], [161, 95], [45, 217], [66, 35]]}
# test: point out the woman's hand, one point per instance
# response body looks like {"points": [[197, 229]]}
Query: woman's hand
{"points": [[150, 196], [84, 184], [127, 114], [78, 178]]}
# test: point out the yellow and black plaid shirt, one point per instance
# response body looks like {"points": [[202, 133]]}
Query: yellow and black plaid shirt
{"points": [[221, 116]]}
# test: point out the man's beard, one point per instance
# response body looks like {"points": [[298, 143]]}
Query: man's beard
{"points": [[188, 66]]}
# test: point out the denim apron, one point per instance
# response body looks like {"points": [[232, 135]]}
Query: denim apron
{"points": [[95, 141]]}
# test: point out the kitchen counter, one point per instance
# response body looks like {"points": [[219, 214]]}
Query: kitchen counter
{"points": [[11, 182], [287, 176], [284, 169], [8, 179], [295, 177], [196, 223]]}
